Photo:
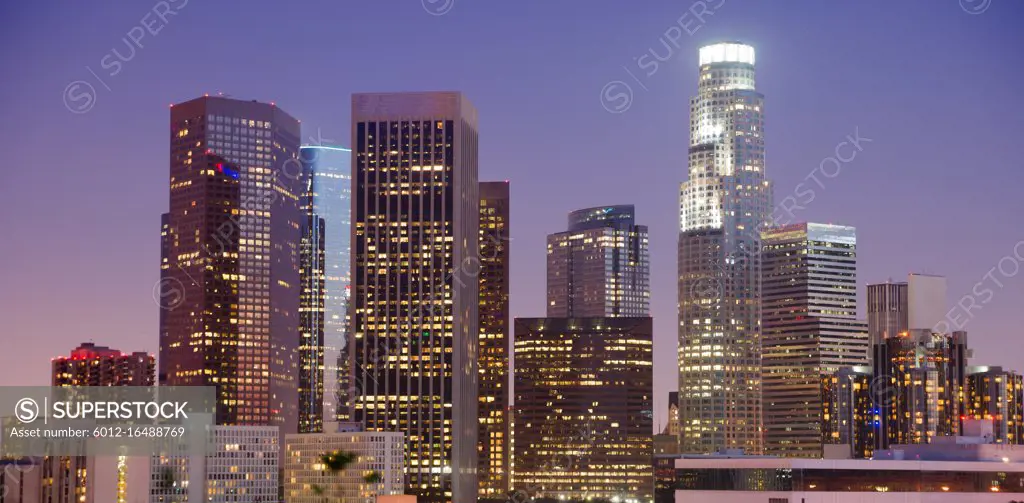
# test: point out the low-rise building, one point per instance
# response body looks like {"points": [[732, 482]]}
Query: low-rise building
{"points": [[949, 470], [377, 470], [239, 464]]}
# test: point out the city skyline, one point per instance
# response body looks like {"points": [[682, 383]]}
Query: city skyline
{"points": [[924, 232]]}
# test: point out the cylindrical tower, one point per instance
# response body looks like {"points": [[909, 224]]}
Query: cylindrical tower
{"points": [[724, 204]]}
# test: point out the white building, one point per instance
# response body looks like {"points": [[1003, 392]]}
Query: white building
{"points": [[723, 205], [307, 480], [238, 464], [950, 470]]}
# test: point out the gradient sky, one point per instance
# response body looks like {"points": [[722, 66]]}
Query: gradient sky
{"points": [[936, 88]]}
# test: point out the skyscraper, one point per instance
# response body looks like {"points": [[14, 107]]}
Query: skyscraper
{"points": [[810, 326], [848, 413], [232, 246], [583, 418], [997, 395], [311, 319], [495, 258], [916, 304], [599, 266], [92, 365], [724, 205], [330, 191], [416, 214], [887, 311], [917, 388]]}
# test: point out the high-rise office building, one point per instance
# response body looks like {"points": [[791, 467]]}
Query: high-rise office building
{"points": [[92, 365], [917, 390], [724, 205], [919, 378], [848, 413], [810, 328], [311, 319], [583, 400], [599, 266], [495, 258], [916, 304], [997, 395], [231, 243], [330, 168], [416, 214], [887, 311]]}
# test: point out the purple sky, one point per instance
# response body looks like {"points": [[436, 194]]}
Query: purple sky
{"points": [[935, 87]]}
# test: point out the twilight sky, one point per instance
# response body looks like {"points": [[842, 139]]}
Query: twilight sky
{"points": [[933, 84]]}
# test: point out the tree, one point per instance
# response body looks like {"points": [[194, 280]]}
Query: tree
{"points": [[373, 477], [335, 462]]}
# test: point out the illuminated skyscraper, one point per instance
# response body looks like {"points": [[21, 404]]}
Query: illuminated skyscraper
{"points": [[311, 320], [232, 249], [416, 214], [330, 191], [724, 205], [92, 365], [584, 390], [848, 413], [997, 395], [599, 267], [810, 325], [918, 382], [495, 255]]}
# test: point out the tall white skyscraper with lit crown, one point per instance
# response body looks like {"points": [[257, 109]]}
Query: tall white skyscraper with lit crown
{"points": [[724, 204]]}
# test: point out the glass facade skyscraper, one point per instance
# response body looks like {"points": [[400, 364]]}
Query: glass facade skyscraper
{"points": [[599, 266], [231, 242], [311, 320], [330, 194], [416, 215], [724, 205]]}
